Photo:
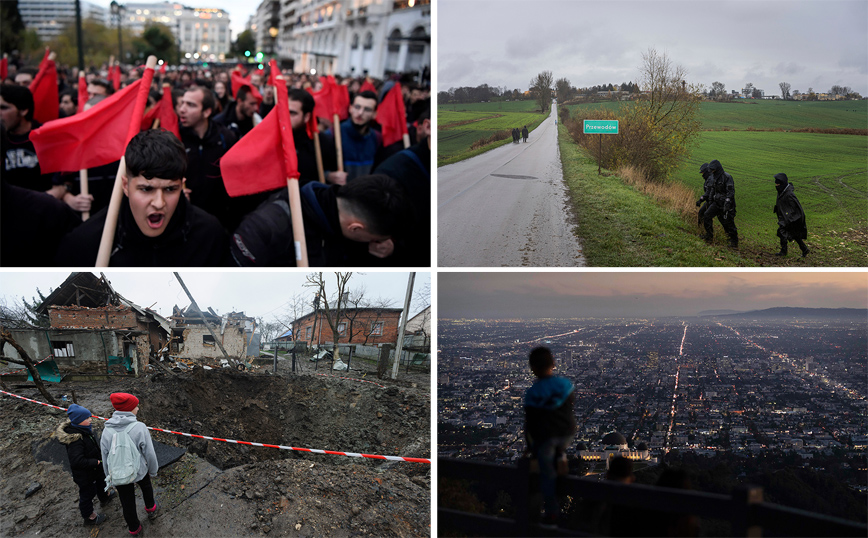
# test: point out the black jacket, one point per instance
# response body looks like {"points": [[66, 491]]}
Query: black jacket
{"points": [[229, 119], [722, 188], [193, 238], [412, 169], [83, 450], [32, 225], [203, 171], [265, 236], [791, 216]]}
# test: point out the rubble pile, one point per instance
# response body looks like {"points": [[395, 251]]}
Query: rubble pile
{"points": [[224, 489]]}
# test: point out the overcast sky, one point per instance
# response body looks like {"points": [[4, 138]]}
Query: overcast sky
{"points": [[641, 294], [259, 294], [808, 43]]}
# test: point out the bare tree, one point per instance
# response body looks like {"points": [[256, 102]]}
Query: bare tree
{"points": [[357, 302], [333, 305], [748, 89], [26, 361], [785, 90], [541, 89], [718, 90]]}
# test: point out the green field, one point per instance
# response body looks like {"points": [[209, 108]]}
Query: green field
{"points": [[460, 125], [829, 173]]}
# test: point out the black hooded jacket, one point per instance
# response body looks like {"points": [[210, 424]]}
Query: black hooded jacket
{"points": [[83, 450], [193, 238], [265, 236], [722, 186], [791, 216]]}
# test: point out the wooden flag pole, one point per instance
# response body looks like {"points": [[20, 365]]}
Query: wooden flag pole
{"points": [[336, 120], [318, 153], [111, 221], [82, 181], [281, 102]]}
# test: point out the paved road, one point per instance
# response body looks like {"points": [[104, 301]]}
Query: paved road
{"points": [[508, 207]]}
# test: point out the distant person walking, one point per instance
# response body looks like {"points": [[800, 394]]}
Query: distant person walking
{"points": [[85, 462], [791, 216], [550, 425], [524, 133], [124, 420], [722, 197]]}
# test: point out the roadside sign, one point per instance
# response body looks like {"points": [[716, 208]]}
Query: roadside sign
{"points": [[600, 127]]}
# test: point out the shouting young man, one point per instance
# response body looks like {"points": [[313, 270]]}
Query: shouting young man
{"points": [[156, 225]]}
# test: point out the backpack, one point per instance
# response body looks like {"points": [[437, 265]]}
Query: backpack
{"points": [[123, 459]]}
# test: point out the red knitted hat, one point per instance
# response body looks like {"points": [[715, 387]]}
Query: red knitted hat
{"points": [[123, 401]]}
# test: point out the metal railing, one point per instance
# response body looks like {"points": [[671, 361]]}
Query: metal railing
{"points": [[744, 509]]}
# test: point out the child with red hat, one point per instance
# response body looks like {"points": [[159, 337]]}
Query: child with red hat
{"points": [[126, 408]]}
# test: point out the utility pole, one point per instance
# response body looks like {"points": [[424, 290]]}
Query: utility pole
{"points": [[398, 350], [78, 34], [207, 325]]}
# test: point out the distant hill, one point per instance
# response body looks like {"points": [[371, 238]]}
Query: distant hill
{"points": [[790, 313], [719, 312]]}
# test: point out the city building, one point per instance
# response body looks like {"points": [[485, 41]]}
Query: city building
{"points": [[350, 37], [203, 33], [613, 445], [49, 17]]}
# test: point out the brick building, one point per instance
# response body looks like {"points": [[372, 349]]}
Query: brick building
{"points": [[364, 326], [192, 339], [92, 327]]}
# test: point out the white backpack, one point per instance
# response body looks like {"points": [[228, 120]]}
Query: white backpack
{"points": [[123, 459]]}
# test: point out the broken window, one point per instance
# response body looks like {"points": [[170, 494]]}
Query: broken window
{"points": [[308, 332], [377, 328], [342, 328], [208, 340], [63, 349]]}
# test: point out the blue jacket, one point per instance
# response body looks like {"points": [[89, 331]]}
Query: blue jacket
{"points": [[361, 153], [548, 408]]}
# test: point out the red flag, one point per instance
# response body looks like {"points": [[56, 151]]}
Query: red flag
{"points": [[392, 116], [82, 91], [367, 87], [165, 112], [311, 127], [268, 150], [273, 72], [238, 81], [324, 105], [163, 68], [341, 100], [4, 68], [93, 138], [44, 89], [115, 76]]}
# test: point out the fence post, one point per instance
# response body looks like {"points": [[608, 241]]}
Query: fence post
{"points": [[383, 362], [743, 499], [521, 494]]}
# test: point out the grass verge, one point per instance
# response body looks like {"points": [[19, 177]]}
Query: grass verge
{"points": [[621, 227], [468, 153]]}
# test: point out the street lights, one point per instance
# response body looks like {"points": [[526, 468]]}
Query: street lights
{"points": [[116, 11]]}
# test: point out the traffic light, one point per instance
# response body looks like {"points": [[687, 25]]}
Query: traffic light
{"points": [[247, 53]]}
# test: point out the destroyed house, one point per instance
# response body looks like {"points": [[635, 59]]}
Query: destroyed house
{"points": [[94, 329], [364, 326], [191, 338]]}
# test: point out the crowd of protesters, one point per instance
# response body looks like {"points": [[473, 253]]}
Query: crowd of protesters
{"points": [[370, 209]]}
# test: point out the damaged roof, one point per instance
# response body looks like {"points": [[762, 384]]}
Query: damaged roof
{"points": [[86, 290]]}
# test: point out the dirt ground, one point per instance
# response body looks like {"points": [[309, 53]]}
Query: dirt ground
{"points": [[222, 489]]}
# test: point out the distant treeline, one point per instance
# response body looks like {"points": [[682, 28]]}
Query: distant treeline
{"points": [[484, 92]]}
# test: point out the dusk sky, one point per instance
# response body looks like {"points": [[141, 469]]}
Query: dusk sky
{"points": [[808, 43], [641, 294], [259, 294]]}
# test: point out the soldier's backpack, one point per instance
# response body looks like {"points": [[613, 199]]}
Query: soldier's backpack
{"points": [[123, 459]]}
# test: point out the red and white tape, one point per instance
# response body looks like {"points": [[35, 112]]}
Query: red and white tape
{"points": [[353, 379], [21, 370], [282, 447]]}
